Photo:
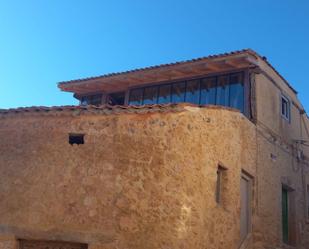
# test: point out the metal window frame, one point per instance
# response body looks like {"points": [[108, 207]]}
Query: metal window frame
{"points": [[288, 111]]}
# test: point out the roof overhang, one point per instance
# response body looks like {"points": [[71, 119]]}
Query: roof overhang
{"points": [[168, 72]]}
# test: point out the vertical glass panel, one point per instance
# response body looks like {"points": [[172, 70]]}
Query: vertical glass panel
{"points": [[193, 92], [92, 100], [237, 91], [84, 101], [115, 98], [164, 94], [136, 97], [96, 99], [223, 90], [178, 92], [150, 95], [208, 91]]}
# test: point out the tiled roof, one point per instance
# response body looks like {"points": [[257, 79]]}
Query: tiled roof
{"points": [[160, 66], [105, 109], [237, 52]]}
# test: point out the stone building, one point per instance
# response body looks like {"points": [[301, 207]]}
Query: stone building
{"points": [[209, 153]]}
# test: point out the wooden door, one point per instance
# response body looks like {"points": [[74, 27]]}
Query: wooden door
{"points": [[285, 216]]}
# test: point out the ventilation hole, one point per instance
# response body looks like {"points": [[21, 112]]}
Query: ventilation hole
{"points": [[76, 138]]}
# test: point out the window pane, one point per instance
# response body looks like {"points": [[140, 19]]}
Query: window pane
{"points": [[96, 99], [115, 98], [92, 100], [193, 92], [84, 101], [237, 92], [223, 91], [285, 107], [164, 94], [208, 91], [136, 97], [150, 95], [178, 92]]}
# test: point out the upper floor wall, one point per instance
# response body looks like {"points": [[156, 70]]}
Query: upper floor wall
{"points": [[277, 106]]}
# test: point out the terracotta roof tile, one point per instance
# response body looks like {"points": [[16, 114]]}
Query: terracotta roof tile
{"points": [[106, 109]]}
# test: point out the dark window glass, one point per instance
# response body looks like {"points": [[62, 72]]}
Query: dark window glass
{"points": [[164, 94], [92, 100], [136, 97], [84, 101], [178, 92], [208, 91], [223, 91], [193, 92], [285, 107], [116, 98], [237, 91], [150, 95]]}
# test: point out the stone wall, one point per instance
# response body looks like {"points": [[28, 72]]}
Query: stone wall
{"points": [[278, 164], [140, 181]]}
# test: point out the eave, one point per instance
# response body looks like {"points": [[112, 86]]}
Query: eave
{"points": [[167, 72]]}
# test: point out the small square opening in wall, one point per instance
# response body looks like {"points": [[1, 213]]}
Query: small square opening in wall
{"points": [[75, 138]]}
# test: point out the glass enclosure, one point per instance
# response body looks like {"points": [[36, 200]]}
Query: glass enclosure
{"points": [[224, 90]]}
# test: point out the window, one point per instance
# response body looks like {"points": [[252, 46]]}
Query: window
{"points": [[136, 97], [225, 90], [164, 94], [220, 182], [76, 138], [116, 98], [237, 92], [285, 107], [150, 95], [208, 91], [178, 92], [91, 100], [193, 92]]}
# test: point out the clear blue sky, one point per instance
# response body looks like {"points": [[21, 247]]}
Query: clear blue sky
{"points": [[44, 42]]}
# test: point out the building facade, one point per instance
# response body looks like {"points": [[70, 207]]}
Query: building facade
{"points": [[207, 153]]}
